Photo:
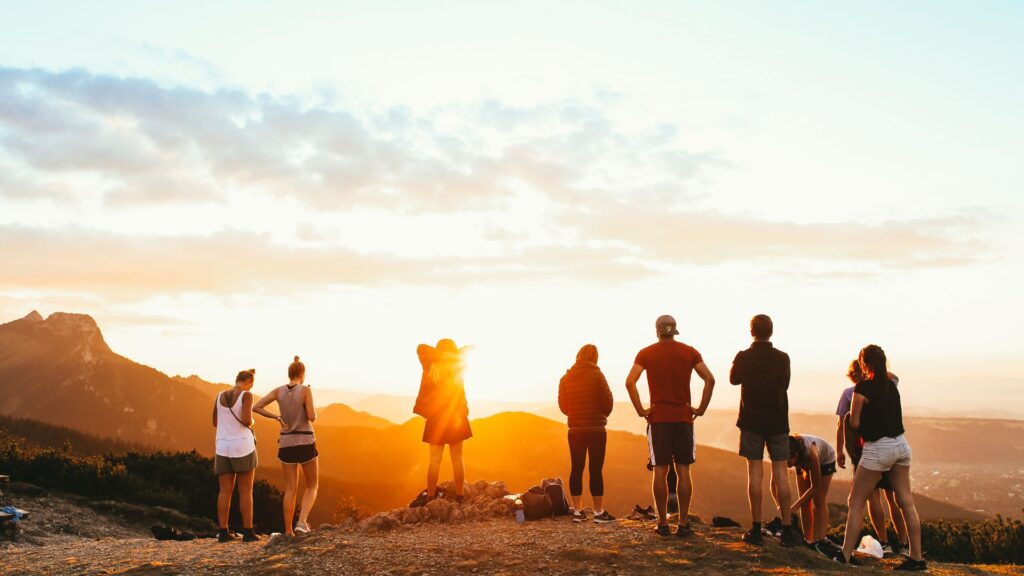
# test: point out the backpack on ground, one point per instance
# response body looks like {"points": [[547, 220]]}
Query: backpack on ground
{"points": [[536, 503], [556, 493]]}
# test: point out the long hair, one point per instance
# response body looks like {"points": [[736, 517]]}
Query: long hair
{"points": [[798, 450], [873, 362]]}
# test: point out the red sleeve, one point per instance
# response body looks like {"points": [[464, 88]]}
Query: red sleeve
{"points": [[697, 359], [640, 359]]}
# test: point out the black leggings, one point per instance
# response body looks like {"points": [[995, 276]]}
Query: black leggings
{"points": [[581, 442]]}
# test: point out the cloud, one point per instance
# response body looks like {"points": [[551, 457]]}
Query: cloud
{"points": [[608, 200], [236, 262]]}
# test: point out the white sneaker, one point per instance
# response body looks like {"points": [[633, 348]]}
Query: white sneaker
{"points": [[302, 528]]}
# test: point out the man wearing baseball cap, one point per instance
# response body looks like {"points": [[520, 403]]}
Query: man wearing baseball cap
{"points": [[669, 364]]}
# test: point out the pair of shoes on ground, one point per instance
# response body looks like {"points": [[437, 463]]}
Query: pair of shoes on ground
{"points": [[645, 513], [681, 531], [423, 497], [603, 518], [247, 535]]}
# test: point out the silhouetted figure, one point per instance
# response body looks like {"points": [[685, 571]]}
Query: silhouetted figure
{"points": [[235, 455], [669, 365], [296, 445], [877, 415], [762, 372], [848, 439], [815, 463], [442, 401], [584, 396]]}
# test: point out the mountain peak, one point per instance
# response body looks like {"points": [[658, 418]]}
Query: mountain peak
{"points": [[33, 316], [68, 323]]}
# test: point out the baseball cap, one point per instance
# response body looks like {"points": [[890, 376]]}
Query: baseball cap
{"points": [[666, 326]]}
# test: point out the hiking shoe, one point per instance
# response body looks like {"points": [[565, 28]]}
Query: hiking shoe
{"points": [[302, 528], [904, 550], [603, 518], [912, 565], [420, 500], [249, 535], [645, 514], [887, 551], [579, 516], [825, 547], [774, 528], [225, 536], [754, 537], [663, 530], [683, 531], [790, 537]]}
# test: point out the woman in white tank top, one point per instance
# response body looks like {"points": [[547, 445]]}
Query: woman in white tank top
{"points": [[296, 445], [235, 457]]}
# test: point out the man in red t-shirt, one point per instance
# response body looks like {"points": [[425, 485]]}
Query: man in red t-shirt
{"points": [[668, 364]]}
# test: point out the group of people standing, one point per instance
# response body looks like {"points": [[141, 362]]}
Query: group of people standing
{"points": [[235, 457], [869, 429]]}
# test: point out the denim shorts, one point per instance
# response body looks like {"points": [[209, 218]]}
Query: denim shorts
{"points": [[884, 453]]}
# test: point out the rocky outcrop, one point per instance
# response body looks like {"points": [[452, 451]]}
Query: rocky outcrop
{"points": [[482, 500]]}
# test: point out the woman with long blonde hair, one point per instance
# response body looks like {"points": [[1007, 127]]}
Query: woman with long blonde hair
{"points": [[442, 402]]}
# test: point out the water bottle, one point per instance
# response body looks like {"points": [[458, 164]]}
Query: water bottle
{"points": [[520, 515]]}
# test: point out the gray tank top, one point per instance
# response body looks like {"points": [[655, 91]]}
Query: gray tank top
{"points": [[297, 430]]}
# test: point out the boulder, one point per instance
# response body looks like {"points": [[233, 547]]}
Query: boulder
{"points": [[382, 522], [496, 489], [410, 516], [439, 509]]}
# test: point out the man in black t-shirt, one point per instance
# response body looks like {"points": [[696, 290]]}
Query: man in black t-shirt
{"points": [[762, 372]]}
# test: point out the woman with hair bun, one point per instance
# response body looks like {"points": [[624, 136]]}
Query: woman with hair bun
{"points": [[235, 455], [297, 444]]}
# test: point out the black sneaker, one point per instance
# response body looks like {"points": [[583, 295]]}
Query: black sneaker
{"points": [[420, 500], [790, 537], [774, 528], [249, 535], [754, 537], [224, 535], [683, 531], [912, 565], [645, 514], [603, 518], [579, 516], [826, 547], [663, 530], [837, 555]]}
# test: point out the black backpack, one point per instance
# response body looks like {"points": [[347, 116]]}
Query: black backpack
{"points": [[556, 493], [536, 503]]}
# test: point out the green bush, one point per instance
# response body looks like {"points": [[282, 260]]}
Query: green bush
{"points": [[181, 481]]}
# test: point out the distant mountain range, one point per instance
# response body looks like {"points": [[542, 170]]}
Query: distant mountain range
{"points": [[59, 370]]}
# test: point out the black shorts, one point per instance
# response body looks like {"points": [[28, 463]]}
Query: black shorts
{"points": [[828, 469], [297, 454], [671, 441]]}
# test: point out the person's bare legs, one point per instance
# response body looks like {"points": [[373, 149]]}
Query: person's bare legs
{"points": [[245, 481], [227, 486], [877, 516], [898, 520], [458, 468], [291, 485], [684, 490], [864, 482], [899, 477], [820, 508], [780, 477], [311, 474], [434, 468], [660, 487], [803, 482], [755, 481]]}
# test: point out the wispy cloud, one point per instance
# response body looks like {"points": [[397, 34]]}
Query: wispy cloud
{"points": [[610, 203]]}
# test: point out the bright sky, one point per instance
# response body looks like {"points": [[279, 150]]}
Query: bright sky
{"points": [[224, 186]]}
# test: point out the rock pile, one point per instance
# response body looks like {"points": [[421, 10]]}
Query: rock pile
{"points": [[482, 499]]}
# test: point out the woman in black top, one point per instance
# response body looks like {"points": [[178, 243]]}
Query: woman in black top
{"points": [[877, 415], [584, 396]]}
